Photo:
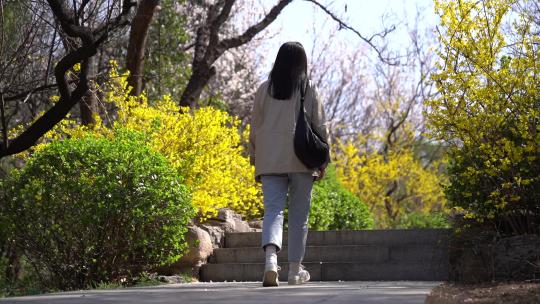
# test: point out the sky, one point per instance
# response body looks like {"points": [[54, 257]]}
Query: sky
{"points": [[297, 20]]}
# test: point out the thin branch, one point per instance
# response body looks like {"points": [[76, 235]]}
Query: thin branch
{"points": [[80, 11], [68, 98], [186, 48], [102, 32], [369, 41], [254, 29], [47, 71], [32, 91], [2, 37], [4, 127]]}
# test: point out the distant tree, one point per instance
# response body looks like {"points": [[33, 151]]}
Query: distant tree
{"points": [[83, 27], [374, 113], [239, 68], [25, 60], [209, 46], [167, 53], [80, 31]]}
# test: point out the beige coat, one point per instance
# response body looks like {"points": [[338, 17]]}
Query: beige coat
{"points": [[273, 123]]}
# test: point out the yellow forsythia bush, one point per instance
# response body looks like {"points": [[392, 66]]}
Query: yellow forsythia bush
{"points": [[393, 186], [487, 110], [204, 145]]}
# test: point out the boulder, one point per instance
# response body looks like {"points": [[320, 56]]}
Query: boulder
{"points": [[174, 279], [200, 246], [226, 221], [256, 225], [202, 238], [199, 249], [232, 221], [226, 214], [216, 233]]}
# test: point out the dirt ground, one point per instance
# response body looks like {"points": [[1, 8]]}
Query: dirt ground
{"points": [[495, 293]]}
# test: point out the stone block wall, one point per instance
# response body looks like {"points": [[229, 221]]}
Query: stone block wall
{"points": [[478, 256]]}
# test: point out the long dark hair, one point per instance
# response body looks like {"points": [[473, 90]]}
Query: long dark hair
{"points": [[289, 71]]}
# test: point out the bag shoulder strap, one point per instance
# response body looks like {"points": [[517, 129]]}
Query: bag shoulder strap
{"points": [[303, 92]]}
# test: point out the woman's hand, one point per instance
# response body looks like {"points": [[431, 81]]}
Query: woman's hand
{"points": [[322, 171]]}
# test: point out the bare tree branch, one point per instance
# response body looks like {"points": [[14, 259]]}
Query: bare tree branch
{"points": [[68, 98], [255, 29], [4, 125], [208, 48], [384, 58], [31, 91]]}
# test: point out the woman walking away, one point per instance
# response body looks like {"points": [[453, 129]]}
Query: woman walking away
{"points": [[275, 110]]}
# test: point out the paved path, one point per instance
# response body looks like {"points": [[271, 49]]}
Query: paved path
{"points": [[250, 292]]}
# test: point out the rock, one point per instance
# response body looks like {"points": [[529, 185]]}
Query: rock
{"points": [[199, 249], [228, 215], [256, 224], [173, 279], [239, 226], [216, 233], [226, 221], [232, 221], [200, 246], [202, 238]]}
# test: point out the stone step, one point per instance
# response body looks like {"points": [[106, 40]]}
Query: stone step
{"points": [[350, 237], [332, 271], [344, 253]]}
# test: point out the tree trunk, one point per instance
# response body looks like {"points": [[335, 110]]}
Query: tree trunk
{"points": [[198, 80], [208, 46], [88, 104], [137, 43]]}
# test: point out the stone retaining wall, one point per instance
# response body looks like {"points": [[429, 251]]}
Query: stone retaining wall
{"points": [[485, 257]]}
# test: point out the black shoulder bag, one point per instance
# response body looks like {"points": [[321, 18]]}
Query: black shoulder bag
{"points": [[309, 146]]}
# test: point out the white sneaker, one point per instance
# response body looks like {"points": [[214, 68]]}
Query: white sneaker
{"points": [[301, 277], [270, 277]]}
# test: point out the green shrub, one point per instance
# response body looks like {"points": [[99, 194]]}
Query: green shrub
{"points": [[420, 220], [508, 199], [92, 210], [335, 208], [22, 280]]}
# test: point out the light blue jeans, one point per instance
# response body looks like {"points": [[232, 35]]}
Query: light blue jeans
{"points": [[275, 190]]}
